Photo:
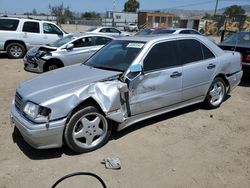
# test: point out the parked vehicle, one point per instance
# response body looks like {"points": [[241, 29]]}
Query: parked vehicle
{"points": [[159, 31], [146, 31], [18, 35], [175, 31], [69, 50], [239, 42], [127, 81], [130, 27], [108, 31]]}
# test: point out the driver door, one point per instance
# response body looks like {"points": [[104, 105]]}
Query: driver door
{"points": [[160, 84], [51, 33]]}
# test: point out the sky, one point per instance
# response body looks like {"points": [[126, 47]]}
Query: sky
{"points": [[42, 6]]}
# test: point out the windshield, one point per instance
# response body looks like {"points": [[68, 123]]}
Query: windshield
{"points": [[145, 32], [238, 38], [62, 41], [117, 55]]}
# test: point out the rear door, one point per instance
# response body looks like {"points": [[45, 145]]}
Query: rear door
{"points": [[31, 33], [161, 83], [199, 65]]}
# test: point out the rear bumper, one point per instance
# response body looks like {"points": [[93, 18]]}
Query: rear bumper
{"points": [[37, 135], [234, 80]]}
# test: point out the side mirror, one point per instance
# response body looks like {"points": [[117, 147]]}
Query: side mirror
{"points": [[135, 68], [69, 46]]}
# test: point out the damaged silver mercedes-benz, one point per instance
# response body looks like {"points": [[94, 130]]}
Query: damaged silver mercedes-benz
{"points": [[129, 80]]}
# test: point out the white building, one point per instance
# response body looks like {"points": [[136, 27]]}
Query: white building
{"points": [[119, 19]]}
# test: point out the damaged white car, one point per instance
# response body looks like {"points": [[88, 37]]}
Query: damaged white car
{"points": [[129, 80]]}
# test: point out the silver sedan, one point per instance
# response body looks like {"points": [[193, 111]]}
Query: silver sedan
{"points": [[127, 81], [69, 50]]}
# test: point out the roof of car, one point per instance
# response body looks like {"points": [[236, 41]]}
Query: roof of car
{"points": [[147, 38], [24, 19], [92, 34]]}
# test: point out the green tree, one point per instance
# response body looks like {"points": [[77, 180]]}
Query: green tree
{"points": [[90, 15], [207, 16], [62, 13], [131, 6], [234, 10]]}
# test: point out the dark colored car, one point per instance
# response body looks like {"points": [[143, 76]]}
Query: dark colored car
{"points": [[239, 42]]}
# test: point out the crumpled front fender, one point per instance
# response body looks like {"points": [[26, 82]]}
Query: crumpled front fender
{"points": [[108, 94]]}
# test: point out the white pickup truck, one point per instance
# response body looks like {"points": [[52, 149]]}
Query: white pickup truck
{"points": [[17, 35]]}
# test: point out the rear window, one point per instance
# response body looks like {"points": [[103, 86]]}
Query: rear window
{"points": [[31, 27], [8, 24]]}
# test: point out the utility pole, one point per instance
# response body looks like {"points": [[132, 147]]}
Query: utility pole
{"points": [[113, 5], [216, 5]]}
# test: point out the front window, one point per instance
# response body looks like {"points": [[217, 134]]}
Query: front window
{"points": [[51, 29], [117, 55], [62, 41]]}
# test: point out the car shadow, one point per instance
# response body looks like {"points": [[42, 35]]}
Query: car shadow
{"points": [[156, 119], [37, 154], [245, 81], [3, 56]]}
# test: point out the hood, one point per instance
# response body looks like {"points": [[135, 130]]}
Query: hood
{"points": [[35, 50], [61, 81]]}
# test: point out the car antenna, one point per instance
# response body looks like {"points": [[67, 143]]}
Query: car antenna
{"points": [[236, 43]]}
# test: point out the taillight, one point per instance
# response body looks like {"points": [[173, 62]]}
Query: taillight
{"points": [[248, 58]]}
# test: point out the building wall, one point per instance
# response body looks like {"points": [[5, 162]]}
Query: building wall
{"points": [[155, 19], [126, 17]]}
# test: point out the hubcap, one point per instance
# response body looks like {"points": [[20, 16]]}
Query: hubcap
{"points": [[90, 130], [217, 93], [52, 67], [16, 51]]}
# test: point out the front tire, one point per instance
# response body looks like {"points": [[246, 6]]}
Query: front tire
{"points": [[15, 50], [216, 93], [87, 130]]}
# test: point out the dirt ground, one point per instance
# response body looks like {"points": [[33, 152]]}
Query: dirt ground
{"points": [[192, 147]]}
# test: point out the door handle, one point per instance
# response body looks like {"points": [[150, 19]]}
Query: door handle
{"points": [[175, 74], [211, 66]]}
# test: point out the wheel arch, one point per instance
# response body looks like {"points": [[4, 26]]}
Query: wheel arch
{"points": [[223, 76], [14, 41], [54, 60], [87, 102]]}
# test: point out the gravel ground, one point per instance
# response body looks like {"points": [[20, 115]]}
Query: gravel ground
{"points": [[191, 147]]}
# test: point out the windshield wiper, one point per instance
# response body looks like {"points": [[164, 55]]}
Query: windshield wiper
{"points": [[107, 68]]}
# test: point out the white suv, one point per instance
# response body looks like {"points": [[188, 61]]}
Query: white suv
{"points": [[18, 35]]}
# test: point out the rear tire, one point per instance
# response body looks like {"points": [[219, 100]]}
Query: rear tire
{"points": [[87, 130], [216, 93], [15, 50]]}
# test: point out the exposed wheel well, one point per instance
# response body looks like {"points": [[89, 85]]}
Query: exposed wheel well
{"points": [[14, 41], [53, 61], [88, 102]]}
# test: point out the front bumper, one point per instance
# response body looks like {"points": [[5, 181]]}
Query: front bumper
{"points": [[234, 80], [33, 64], [37, 135]]}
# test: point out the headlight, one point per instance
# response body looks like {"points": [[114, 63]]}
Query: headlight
{"points": [[36, 112]]}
